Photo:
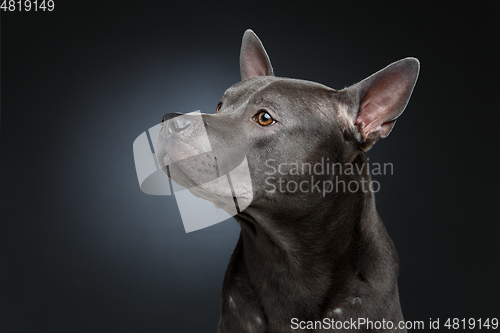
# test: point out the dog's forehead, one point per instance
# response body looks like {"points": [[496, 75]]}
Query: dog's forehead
{"points": [[243, 90], [296, 91], [273, 90]]}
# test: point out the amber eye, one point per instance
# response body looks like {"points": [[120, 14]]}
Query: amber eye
{"points": [[218, 107], [264, 118]]}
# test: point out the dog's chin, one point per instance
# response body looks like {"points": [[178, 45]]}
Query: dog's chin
{"points": [[220, 201]]}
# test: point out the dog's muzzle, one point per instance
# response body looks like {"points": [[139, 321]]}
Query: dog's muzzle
{"points": [[231, 191]]}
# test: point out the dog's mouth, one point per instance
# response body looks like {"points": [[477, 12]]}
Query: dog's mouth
{"points": [[205, 183], [193, 170], [231, 191], [175, 171]]}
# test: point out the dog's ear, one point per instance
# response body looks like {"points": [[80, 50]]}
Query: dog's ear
{"points": [[253, 57], [382, 98]]}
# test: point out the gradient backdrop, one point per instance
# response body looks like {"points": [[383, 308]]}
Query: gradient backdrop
{"points": [[82, 249]]}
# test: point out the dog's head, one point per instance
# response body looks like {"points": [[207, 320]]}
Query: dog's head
{"points": [[266, 123]]}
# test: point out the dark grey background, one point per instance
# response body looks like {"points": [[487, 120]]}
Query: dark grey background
{"points": [[82, 249]]}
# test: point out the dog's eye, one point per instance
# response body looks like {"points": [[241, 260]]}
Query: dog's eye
{"points": [[264, 118], [218, 107]]}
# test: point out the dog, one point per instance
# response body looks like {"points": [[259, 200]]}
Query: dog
{"points": [[309, 259]]}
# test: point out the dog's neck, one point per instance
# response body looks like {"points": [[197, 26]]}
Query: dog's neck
{"points": [[327, 254], [327, 227]]}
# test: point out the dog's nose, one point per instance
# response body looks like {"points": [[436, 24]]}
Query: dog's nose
{"points": [[176, 123]]}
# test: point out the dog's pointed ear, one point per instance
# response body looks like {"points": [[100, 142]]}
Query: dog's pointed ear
{"points": [[253, 57], [382, 98]]}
